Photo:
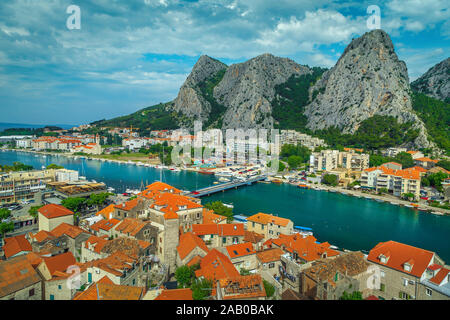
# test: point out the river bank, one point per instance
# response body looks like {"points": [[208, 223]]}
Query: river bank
{"points": [[422, 206]]}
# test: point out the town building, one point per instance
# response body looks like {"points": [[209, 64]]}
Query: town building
{"points": [[52, 215], [243, 256], [219, 235], [191, 249], [269, 225], [16, 246], [402, 269], [106, 289]]}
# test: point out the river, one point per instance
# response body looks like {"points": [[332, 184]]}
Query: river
{"points": [[347, 222]]}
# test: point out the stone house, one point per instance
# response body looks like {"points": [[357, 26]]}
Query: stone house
{"points": [[269, 225], [190, 249], [243, 256], [75, 236], [401, 269], [52, 215], [219, 235]]}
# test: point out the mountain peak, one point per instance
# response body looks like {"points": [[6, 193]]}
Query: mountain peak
{"points": [[435, 82]]}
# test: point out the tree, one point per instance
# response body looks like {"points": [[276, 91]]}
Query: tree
{"points": [[435, 180], [244, 272], [33, 211], [444, 164], [294, 161], [184, 275], [383, 190], [73, 203], [408, 196], [355, 295], [4, 214], [330, 179], [6, 227], [201, 289], [219, 208], [54, 166], [98, 199], [270, 289], [405, 159]]}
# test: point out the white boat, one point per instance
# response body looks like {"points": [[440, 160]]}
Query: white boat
{"points": [[223, 179], [408, 206], [110, 189], [225, 174], [176, 170], [228, 205], [437, 213], [394, 203], [139, 163]]}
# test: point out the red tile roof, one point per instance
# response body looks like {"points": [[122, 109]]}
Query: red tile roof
{"points": [[105, 225], [15, 245], [231, 229], [188, 242], [242, 287], [437, 279], [130, 226], [170, 204], [215, 266], [265, 218], [42, 236], [105, 289], [210, 217], [69, 230], [306, 248], [270, 255], [399, 254], [16, 274], [240, 250], [51, 211], [107, 211], [253, 237], [60, 262], [175, 294]]}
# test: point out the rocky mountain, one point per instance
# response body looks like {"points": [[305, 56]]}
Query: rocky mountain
{"points": [[435, 82], [367, 80], [190, 101], [238, 96], [367, 88]]}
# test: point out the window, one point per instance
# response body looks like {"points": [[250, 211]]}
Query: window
{"points": [[253, 224], [271, 265], [262, 227], [31, 293], [59, 287], [52, 297], [382, 274], [382, 287], [405, 282], [429, 292], [224, 240]]}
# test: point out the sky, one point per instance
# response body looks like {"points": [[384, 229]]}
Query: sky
{"points": [[130, 54]]}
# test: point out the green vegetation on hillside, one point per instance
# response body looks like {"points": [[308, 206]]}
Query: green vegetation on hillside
{"points": [[152, 118], [291, 98], [374, 133], [404, 158], [207, 90], [435, 114]]}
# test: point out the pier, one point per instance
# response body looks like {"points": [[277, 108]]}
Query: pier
{"points": [[224, 186]]}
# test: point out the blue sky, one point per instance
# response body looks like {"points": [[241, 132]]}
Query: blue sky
{"points": [[130, 54]]}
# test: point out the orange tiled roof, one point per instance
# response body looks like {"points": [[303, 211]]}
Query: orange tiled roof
{"points": [[306, 248], [105, 225], [216, 265], [412, 152], [426, 159], [175, 294], [105, 289], [96, 242], [128, 205], [229, 229], [60, 262], [130, 226], [15, 245], [42, 236], [270, 255], [437, 279], [253, 237], [210, 217], [265, 218], [194, 260], [242, 287], [188, 242], [400, 253], [170, 204], [240, 250], [51, 211], [115, 264], [162, 187], [107, 211], [16, 274], [67, 229]]}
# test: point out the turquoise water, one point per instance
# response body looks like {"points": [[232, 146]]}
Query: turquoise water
{"points": [[344, 221]]}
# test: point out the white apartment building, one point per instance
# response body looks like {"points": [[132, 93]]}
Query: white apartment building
{"points": [[327, 160]]}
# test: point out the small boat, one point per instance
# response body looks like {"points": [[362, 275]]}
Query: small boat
{"points": [[223, 179], [110, 189], [206, 172], [369, 198], [303, 186], [277, 181], [176, 170], [379, 200], [228, 205], [437, 213], [394, 203], [408, 206]]}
